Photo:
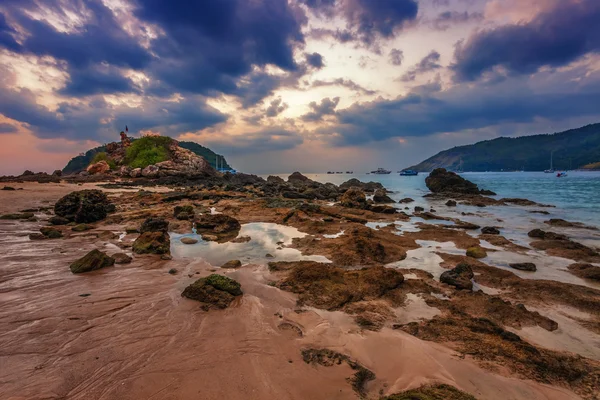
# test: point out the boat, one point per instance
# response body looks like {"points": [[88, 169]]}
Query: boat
{"points": [[551, 170], [349, 172], [408, 172], [381, 171], [330, 172], [561, 174]]}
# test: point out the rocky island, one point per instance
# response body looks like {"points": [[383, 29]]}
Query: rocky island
{"points": [[152, 275]]}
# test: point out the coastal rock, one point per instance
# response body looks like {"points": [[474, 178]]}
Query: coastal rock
{"points": [[275, 179], [442, 181], [37, 236], [368, 187], [380, 196], [188, 240], [354, 198], [431, 392], [122, 258], [585, 271], [220, 225], [216, 291], [561, 223], [382, 209], [406, 200], [154, 225], [151, 171], [51, 233], [92, 261], [242, 239], [183, 212], [451, 203], [184, 163], [476, 252], [82, 227], [297, 177], [136, 173], [100, 167], [524, 266], [459, 277], [232, 264], [558, 245], [83, 206], [152, 243], [419, 209], [8, 188], [540, 234], [25, 215], [490, 230]]}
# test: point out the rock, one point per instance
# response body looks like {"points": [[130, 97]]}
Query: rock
{"points": [[442, 181], [8, 188], [183, 163], [232, 264], [82, 228], [269, 255], [220, 225], [131, 229], [419, 209], [92, 261], [27, 173], [297, 177], [26, 215], [380, 196], [58, 220], [153, 224], [451, 203], [125, 171], [216, 291], [543, 212], [369, 187], [172, 271], [354, 198], [188, 210], [275, 179], [566, 224], [242, 239], [37, 236], [152, 242], [51, 233], [406, 200], [459, 277], [524, 266], [101, 167], [585, 271], [540, 234], [166, 257], [490, 230], [382, 209], [122, 258], [83, 206], [135, 173], [476, 252], [188, 240], [151, 171], [210, 238]]}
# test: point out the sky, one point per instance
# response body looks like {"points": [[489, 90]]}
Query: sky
{"points": [[284, 85]]}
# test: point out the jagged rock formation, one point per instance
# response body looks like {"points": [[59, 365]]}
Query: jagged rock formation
{"points": [[442, 181]]}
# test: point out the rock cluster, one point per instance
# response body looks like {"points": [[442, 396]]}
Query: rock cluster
{"points": [[215, 291], [83, 206], [217, 227], [459, 277], [447, 182]]}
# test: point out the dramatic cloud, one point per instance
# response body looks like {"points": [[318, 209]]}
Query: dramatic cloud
{"points": [[6, 35], [449, 18], [429, 63], [265, 140], [342, 36], [428, 111], [554, 38], [347, 83], [276, 107], [315, 60], [396, 57], [327, 107], [7, 128], [98, 79]]}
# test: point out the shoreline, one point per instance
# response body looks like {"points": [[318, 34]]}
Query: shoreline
{"points": [[149, 341]]}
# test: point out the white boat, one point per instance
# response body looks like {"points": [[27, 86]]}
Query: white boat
{"points": [[408, 172], [381, 171], [551, 170]]}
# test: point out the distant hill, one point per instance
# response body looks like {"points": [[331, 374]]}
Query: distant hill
{"points": [[572, 149], [80, 163]]}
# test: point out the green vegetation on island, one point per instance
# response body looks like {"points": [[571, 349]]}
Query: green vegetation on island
{"points": [[572, 149]]}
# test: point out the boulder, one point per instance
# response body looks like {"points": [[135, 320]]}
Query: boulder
{"points": [[405, 200], [8, 188], [216, 291], [381, 196], [151, 171], [57, 172], [135, 173], [25, 215], [459, 277], [297, 177], [442, 181], [56, 220], [82, 228], [101, 167], [419, 209], [184, 163], [92, 261], [242, 239], [540, 234], [125, 171], [451, 203], [369, 187], [275, 179], [51, 233], [122, 258], [490, 230], [524, 266], [154, 225], [83, 206], [476, 252], [152, 243], [354, 198], [585, 271], [184, 212], [232, 264], [221, 225], [188, 240]]}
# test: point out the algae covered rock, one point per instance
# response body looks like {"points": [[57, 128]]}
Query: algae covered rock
{"points": [[527, 266], [92, 261], [83, 206], [152, 243], [381, 196], [476, 252], [187, 210], [217, 227], [442, 181], [217, 291], [232, 264], [50, 232], [56, 220], [121, 258], [354, 198], [82, 227], [459, 277], [490, 230], [25, 215], [154, 225]]}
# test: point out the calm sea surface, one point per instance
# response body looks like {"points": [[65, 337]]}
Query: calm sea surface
{"points": [[577, 196]]}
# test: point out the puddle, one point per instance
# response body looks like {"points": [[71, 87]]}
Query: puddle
{"points": [[334, 236], [414, 310], [266, 238], [424, 258]]}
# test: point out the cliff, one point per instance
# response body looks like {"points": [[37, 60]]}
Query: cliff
{"points": [[572, 149]]}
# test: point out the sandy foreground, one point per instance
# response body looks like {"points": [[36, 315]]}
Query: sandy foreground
{"points": [[132, 335]]}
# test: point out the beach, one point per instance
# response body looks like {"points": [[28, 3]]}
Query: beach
{"points": [[125, 332]]}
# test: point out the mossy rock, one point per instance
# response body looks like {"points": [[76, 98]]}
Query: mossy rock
{"points": [[187, 209], [14, 216], [215, 291], [92, 261], [51, 233], [82, 228], [433, 392], [131, 229], [8, 188], [122, 258], [83, 206], [152, 243], [232, 264], [154, 225], [224, 283], [476, 252]]}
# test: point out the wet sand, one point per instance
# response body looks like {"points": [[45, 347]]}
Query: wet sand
{"points": [[134, 337]]}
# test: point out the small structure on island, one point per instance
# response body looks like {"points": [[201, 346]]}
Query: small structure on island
{"points": [[125, 140]]}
